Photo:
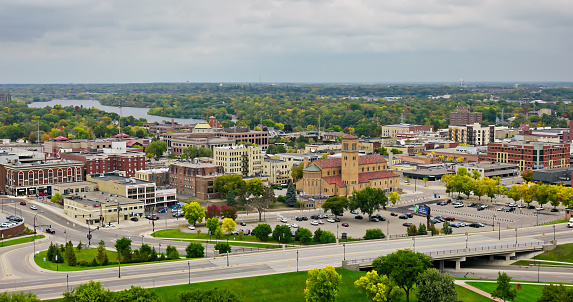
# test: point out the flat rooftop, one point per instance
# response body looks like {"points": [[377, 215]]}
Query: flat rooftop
{"points": [[96, 198], [119, 179]]}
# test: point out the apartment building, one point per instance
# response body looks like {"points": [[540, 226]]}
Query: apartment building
{"points": [[463, 116], [529, 155], [278, 171], [474, 134], [195, 179], [392, 130], [114, 184], [241, 160]]}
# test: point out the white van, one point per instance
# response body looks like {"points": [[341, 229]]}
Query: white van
{"points": [[570, 223]]}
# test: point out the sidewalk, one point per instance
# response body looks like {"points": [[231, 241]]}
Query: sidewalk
{"points": [[463, 284]]}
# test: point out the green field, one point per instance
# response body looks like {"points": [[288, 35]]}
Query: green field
{"points": [[527, 293], [288, 287], [556, 222], [20, 240], [176, 233], [563, 252], [87, 255]]}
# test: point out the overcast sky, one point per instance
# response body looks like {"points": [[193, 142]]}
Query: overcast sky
{"points": [[103, 41]]}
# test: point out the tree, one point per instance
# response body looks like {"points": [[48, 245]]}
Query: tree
{"points": [[223, 247], [123, 247], [262, 231], [476, 175], [336, 204], [194, 212], [304, 235], [436, 287], [18, 297], [368, 200], [231, 197], [255, 187], [211, 295], [195, 250], [90, 291], [322, 285], [296, 172], [317, 234], [234, 182], [71, 256], [229, 212], [282, 233], [171, 252], [446, 228], [504, 290], [136, 294], [374, 234], [157, 148], [394, 197], [101, 254], [327, 237], [422, 229], [527, 175], [290, 198], [263, 202], [56, 198], [213, 211], [378, 288], [80, 246], [194, 151], [425, 180], [229, 225], [412, 230], [551, 293], [403, 266], [395, 151], [212, 225]]}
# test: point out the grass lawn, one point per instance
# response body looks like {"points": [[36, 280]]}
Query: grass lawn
{"points": [[86, 255], [527, 293], [563, 252], [20, 240], [556, 222], [176, 233], [288, 287]]}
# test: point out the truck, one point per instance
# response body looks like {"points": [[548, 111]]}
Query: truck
{"points": [[570, 223]]}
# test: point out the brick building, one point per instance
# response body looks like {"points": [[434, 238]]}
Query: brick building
{"points": [[474, 134], [392, 130], [195, 179], [529, 155], [20, 179], [61, 144], [243, 134], [128, 162], [463, 116]]}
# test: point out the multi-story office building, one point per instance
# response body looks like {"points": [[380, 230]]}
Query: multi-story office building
{"points": [[278, 171], [392, 130], [132, 188], [159, 176], [463, 116], [529, 155], [101, 208], [61, 144], [242, 160], [474, 135], [22, 179], [244, 134], [195, 179]]}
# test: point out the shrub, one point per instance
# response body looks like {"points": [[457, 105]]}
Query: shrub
{"points": [[172, 252], [374, 234], [223, 247], [422, 229], [94, 262], [327, 237], [195, 250], [412, 230], [317, 234]]}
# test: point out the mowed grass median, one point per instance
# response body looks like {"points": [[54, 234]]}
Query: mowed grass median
{"points": [[247, 240], [15, 241], [287, 287], [527, 293]]}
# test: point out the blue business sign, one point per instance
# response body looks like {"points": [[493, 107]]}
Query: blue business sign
{"points": [[421, 209]]}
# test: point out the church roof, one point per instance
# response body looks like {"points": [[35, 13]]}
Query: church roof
{"points": [[349, 136], [202, 126], [312, 168], [362, 160]]}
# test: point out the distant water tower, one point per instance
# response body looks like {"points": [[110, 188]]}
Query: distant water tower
{"points": [[462, 83]]}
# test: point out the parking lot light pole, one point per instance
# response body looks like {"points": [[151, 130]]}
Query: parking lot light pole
{"points": [[499, 230], [515, 236], [228, 248], [493, 224]]}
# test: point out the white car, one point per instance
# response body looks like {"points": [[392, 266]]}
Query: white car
{"points": [[109, 225], [191, 227], [539, 208], [4, 225], [283, 220], [294, 225], [500, 209], [314, 222], [320, 222], [458, 205], [331, 220], [33, 207], [462, 224]]}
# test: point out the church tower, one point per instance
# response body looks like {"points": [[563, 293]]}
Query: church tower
{"points": [[349, 169]]}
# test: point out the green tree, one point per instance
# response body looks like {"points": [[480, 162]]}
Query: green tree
{"points": [[56, 198], [552, 293], [223, 247], [194, 151], [255, 187], [446, 228], [304, 235], [322, 285], [436, 287], [262, 231], [412, 230], [504, 290], [336, 204], [378, 288], [18, 297], [231, 197], [123, 247], [422, 229], [290, 198], [90, 291], [101, 254], [403, 266], [234, 182], [282, 233], [71, 257], [476, 175], [212, 225], [527, 175], [157, 148], [136, 294], [296, 172], [262, 203], [171, 252], [327, 237], [394, 197], [195, 250], [210, 295], [368, 200], [194, 212], [374, 234], [229, 225]]}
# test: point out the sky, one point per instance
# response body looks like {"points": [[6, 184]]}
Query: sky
{"points": [[294, 41]]}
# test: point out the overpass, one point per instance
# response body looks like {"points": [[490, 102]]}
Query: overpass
{"points": [[489, 253]]}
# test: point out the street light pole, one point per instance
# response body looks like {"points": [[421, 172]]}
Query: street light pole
{"points": [[466, 240], [228, 248], [515, 236], [499, 231], [34, 233], [493, 224], [414, 239], [297, 260], [189, 267], [344, 247], [553, 232]]}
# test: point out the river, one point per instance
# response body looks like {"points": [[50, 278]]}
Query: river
{"points": [[137, 112]]}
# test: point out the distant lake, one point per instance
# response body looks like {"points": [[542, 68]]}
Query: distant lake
{"points": [[137, 112]]}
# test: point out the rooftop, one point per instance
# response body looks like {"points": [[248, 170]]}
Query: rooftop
{"points": [[119, 179], [96, 198]]}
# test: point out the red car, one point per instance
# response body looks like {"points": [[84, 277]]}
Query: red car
{"points": [[345, 224], [23, 203], [449, 218]]}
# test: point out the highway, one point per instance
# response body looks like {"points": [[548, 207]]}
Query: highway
{"points": [[20, 273]]}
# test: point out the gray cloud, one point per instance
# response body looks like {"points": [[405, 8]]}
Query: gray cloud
{"points": [[325, 40]]}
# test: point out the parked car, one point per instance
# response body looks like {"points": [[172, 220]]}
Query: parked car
{"points": [[403, 216], [243, 223], [336, 219], [555, 210], [449, 218], [314, 222], [331, 220], [320, 222], [354, 212], [247, 232], [475, 225], [374, 219], [109, 225], [410, 215], [442, 203], [283, 220], [500, 209], [480, 208], [345, 225], [434, 221], [462, 224], [540, 208], [472, 204], [50, 230], [191, 227], [393, 214], [458, 205], [455, 225], [162, 210], [380, 217], [22, 203], [530, 207], [509, 209], [294, 225], [4, 225], [304, 218], [521, 206], [152, 216], [407, 224], [298, 218], [134, 219], [358, 217], [314, 217], [33, 207]]}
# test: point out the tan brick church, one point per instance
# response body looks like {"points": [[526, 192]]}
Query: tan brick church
{"points": [[341, 176]]}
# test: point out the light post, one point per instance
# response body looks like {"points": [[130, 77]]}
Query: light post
{"points": [[34, 233], [466, 240], [160, 252], [414, 239], [337, 232], [141, 239], [228, 248], [516, 237], [297, 260], [66, 236], [493, 224], [67, 282], [57, 269], [553, 232], [344, 248], [499, 231], [118, 264], [537, 217], [189, 268]]}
